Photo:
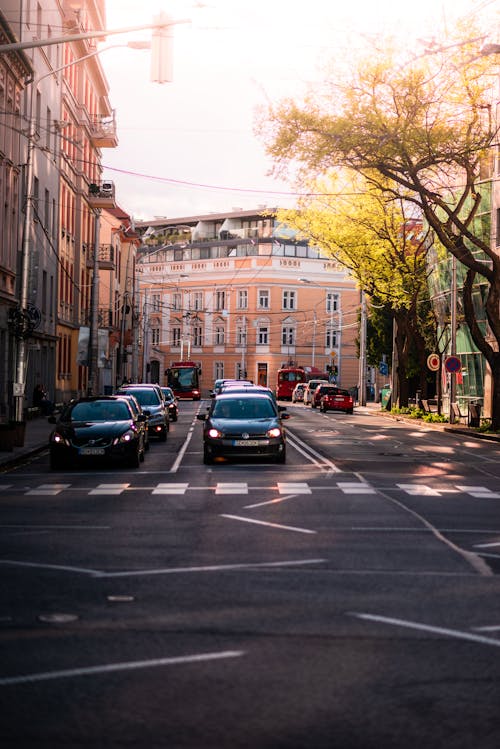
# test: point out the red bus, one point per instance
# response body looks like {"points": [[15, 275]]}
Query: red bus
{"points": [[184, 379], [288, 377]]}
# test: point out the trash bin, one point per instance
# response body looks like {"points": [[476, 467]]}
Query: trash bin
{"points": [[385, 398], [474, 417]]}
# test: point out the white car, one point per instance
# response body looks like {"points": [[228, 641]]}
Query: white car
{"points": [[298, 392], [310, 388]]}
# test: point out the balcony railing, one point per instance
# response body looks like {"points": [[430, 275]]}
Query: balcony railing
{"points": [[103, 130]]}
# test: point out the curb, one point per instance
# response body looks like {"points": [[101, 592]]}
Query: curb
{"points": [[443, 427]]}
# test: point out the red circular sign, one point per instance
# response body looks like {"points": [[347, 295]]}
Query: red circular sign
{"points": [[433, 362], [452, 364]]}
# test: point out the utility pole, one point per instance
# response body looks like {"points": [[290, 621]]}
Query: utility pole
{"points": [[362, 353]]}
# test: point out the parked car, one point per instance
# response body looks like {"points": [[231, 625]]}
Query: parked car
{"points": [[172, 403], [310, 388], [337, 399], [236, 386], [97, 427], [153, 404], [319, 392], [243, 425], [298, 392]]}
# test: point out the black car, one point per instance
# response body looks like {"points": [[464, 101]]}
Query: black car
{"points": [[172, 403], [243, 425], [153, 404], [97, 427]]}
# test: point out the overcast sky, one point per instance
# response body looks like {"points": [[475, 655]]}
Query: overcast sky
{"points": [[188, 147]]}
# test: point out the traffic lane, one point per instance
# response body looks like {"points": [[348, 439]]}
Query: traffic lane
{"points": [[316, 654], [370, 442]]}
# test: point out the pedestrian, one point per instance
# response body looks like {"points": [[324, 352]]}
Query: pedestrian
{"points": [[41, 400]]}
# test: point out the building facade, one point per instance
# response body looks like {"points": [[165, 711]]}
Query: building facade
{"points": [[240, 295]]}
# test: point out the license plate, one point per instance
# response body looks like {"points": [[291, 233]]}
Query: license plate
{"points": [[247, 443], [92, 451], [338, 398]]}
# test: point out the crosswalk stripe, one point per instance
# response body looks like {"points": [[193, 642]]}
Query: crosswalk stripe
{"points": [[297, 487], [109, 489], [170, 489], [228, 488], [48, 490]]}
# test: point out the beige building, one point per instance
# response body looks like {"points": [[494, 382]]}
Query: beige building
{"points": [[240, 295]]}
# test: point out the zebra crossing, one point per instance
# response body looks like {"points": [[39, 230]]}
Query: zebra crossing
{"points": [[353, 488]]}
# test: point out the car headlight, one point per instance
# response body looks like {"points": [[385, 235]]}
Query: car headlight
{"points": [[126, 437], [59, 440], [214, 434], [274, 432]]}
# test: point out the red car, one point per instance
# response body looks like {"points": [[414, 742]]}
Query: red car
{"points": [[337, 400]]}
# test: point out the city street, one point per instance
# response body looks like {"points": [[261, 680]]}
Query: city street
{"points": [[349, 598]]}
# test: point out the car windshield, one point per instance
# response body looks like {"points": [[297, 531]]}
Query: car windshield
{"points": [[100, 411], [244, 408], [146, 396]]}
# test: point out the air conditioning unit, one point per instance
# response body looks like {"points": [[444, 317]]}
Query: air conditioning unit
{"points": [[107, 189]]}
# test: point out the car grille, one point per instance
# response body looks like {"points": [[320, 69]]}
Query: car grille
{"points": [[85, 442]]}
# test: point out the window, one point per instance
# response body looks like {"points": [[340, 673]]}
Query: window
{"points": [[218, 370], [242, 302], [220, 300], [332, 302], [331, 338], [155, 302], [289, 300], [263, 298], [241, 335], [198, 300], [176, 336], [263, 335], [287, 335], [177, 301], [155, 336], [220, 334], [197, 335]]}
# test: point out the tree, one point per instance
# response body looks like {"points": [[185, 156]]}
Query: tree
{"points": [[425, 128], [369, 233]]}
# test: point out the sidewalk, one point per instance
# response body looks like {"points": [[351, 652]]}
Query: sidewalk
{"points": [[36, 439]]}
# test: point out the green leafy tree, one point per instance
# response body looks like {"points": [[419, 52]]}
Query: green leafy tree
{"points": [[370, 234], [422, 129]]}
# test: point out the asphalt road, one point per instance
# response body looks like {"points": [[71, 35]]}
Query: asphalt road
{"points": [[347, 599]]}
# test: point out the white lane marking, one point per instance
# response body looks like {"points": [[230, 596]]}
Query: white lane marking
{"points": [[418, 490], [269, 525], [297, 487], [270, 502], [48, 490], [170, 489], [492, 628], [184, 447], [109, 489], [480, 492], [486, 546], [59, 527], [63, 568], [427, 628], [113, 667], [228, 488], [308, 452], [212, 568], [355, 487]]}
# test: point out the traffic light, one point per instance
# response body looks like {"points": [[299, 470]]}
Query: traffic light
{"points": [[162, 43]]}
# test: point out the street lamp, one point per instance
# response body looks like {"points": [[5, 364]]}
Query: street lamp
{"points": [[328, 290]]}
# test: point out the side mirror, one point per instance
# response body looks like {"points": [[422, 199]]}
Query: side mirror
{"points": [[201, 417], [51, 419], [285, 415]]}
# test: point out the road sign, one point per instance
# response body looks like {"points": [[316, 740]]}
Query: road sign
{"points": [[452, 364], [383, 368], [433, 362]]}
